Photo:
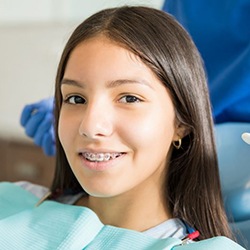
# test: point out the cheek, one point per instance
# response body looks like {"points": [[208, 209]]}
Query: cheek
{"points": [[150, 129], [66, 129]]}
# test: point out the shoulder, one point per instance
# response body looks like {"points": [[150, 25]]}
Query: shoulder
{"points": [[35, 189], [221, 242]]}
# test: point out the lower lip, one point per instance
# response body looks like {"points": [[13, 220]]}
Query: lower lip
{"points": [[100, 166]]}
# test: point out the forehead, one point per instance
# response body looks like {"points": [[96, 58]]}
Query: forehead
{"points": [[101, 54], [103, 45]]}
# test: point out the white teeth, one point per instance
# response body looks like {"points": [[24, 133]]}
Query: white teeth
{"points": [[101, 156]]}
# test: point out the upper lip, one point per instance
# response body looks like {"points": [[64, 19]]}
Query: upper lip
{"points": [[99, 150]]}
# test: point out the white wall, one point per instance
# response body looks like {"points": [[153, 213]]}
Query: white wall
{"points": [[32, 36]]}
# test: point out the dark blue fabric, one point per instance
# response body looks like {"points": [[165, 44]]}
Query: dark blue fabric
{"points": [[221, 31]]}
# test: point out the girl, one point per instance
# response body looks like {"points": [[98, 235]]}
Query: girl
{"points": [[135, 135], [130, 84]]}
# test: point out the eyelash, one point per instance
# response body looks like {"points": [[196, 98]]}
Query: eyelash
{"points": [[134, 99]]}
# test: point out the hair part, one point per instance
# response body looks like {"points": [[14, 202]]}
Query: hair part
{"points": [[192, 188]]}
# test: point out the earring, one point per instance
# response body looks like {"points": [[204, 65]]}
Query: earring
{"points": [[177, 144]]}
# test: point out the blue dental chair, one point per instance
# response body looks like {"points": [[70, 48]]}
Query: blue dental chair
{"points": [[234, 167]]}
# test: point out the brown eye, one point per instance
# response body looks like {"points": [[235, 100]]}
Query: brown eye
{"points": [[129, 99], [76, 100]]}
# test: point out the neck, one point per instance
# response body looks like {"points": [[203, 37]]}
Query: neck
{"points": [[137, 209]]}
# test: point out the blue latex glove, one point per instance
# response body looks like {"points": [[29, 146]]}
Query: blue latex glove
{"points": [[221, 32], [37, 119]]}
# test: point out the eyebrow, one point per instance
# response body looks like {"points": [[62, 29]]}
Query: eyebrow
{"points": [[72, 82], [111, 84], [119, 82]]}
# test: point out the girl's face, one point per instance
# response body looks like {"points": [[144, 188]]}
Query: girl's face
{"points": [[117, 120]]}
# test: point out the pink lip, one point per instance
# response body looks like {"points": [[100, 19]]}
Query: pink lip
{"points": [[100, 166]]}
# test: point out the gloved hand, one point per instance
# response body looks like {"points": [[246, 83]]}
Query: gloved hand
{"points": [[38, 119]]}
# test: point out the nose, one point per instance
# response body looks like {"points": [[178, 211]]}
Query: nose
{"points": [[97, 121]]}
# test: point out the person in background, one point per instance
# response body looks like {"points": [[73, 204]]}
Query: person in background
{"points": [[220, 30]]}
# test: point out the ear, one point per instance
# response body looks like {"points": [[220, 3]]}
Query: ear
{"points": [[181, 131]]}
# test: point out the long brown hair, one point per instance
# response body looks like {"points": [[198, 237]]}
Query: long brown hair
{"points": [[192, 186]]}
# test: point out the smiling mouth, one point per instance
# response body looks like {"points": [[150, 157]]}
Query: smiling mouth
{"points": [[100, 157]]}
